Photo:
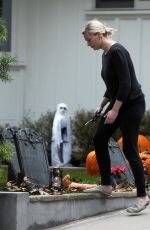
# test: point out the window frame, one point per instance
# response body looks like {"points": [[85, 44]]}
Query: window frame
{"points": [[114, 4]]}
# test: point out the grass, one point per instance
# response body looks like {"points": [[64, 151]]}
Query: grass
{"points": [[77, 175], [80, 175], [3, 175]]}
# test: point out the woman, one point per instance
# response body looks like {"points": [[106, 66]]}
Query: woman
{"points": [[125, 110]]}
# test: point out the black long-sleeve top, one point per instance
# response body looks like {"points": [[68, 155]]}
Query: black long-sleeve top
{"points": [[119, 75]]}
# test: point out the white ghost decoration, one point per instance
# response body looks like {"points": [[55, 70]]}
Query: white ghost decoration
{"points": [[61, 146]]}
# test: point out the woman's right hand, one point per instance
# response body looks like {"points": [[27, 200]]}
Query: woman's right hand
{"points": [[101, 106], [98, 110]]}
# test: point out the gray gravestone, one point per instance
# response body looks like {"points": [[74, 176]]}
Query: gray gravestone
{"points": [[118, 158], [32, 156]]}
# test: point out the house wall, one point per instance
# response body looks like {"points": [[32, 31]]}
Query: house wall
{"points": [[54, 63]]}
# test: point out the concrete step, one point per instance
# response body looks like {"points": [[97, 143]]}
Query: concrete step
{"points": [[45, 211]]}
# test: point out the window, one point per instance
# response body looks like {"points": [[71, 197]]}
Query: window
{"points": [[5, 13], [114, 3], [0, 8]]}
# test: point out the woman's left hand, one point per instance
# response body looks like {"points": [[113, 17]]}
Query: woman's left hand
{"points": [[111, 116]]}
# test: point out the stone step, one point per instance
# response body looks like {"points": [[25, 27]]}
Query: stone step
{"points": [[45, 211]]}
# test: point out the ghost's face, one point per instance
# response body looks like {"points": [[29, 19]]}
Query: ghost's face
{"points": [[62, 109]]}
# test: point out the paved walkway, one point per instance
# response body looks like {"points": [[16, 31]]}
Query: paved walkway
{"points": [[117, 220]]}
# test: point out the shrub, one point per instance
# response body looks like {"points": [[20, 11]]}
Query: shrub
{"points": [[145, 124], [6, 153], [82, 136]]}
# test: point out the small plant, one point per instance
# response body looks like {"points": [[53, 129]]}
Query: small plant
{"points": [[5, 61], [119, 173], [6, 153], [3, 31]]}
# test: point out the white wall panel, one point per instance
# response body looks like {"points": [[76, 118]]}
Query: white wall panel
{"points": [[11, 102], [145, 60], [130, 37]]}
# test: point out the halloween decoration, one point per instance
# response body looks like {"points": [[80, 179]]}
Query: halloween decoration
{"points": [[69, 184], [61, 137]]}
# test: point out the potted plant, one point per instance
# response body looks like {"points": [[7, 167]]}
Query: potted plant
{"points": [[6, 155]]}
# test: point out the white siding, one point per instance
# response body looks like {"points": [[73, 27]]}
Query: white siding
{"points": [[11, 102], [55, 63]]}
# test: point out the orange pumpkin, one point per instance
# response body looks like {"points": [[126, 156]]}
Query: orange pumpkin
{"points": [[145, 157], [92, 165], [120, 143], [148, 167], [143, 143]]}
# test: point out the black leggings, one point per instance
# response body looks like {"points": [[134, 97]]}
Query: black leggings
{"points": [[128, 120]]}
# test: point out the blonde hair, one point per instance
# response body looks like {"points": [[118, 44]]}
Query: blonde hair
{"points": [[95, 26]]}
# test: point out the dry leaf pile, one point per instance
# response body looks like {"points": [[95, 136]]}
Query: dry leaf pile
{"points": [[27, 186], [67, 186]]}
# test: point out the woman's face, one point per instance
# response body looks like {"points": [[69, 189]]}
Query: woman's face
{"points": [[93, 40]]}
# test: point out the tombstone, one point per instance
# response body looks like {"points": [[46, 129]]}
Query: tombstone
{"points": [[32, 157], [117, 158], [14, 171]]}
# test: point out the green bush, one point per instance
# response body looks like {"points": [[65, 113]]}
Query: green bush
{"points": [[145, 124], [6, 153], [82, 136]]}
